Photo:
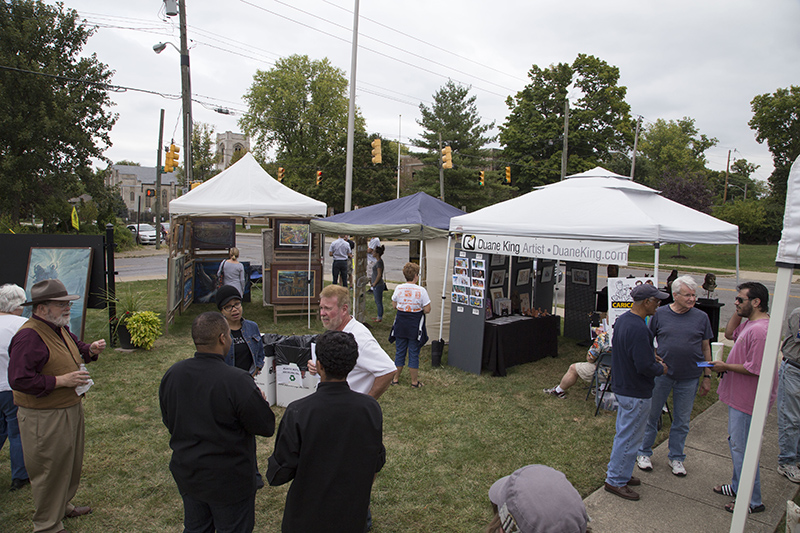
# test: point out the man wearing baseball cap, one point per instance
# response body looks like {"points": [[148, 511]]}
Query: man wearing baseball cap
{"points": [[537, 499], [45, 370], [635, 366]]}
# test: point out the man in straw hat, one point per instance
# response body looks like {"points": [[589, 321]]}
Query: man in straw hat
{"points": [[47, 375]]}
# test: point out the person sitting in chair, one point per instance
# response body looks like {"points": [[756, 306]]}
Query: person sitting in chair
{"points": [[584, 371]]}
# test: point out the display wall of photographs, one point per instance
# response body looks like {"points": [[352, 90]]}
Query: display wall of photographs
{"points": [[469, 282]]}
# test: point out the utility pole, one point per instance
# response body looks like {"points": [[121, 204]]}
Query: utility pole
{"points": [[186, 95], [351, 117], [441, 170], [727, 170], [635, 144], [158, 180], [566, 141], [399, 127]]}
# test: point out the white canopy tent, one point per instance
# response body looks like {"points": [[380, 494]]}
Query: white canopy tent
{"points": [[245, 190], [599, 205]]}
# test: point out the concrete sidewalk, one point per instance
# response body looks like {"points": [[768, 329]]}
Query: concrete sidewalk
{"points": [[688, 504]]}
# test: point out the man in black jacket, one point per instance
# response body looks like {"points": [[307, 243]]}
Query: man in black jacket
{"points": [[331, 444], [213, 412]]}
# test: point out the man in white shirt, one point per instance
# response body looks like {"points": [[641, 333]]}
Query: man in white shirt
{"points": [[374, 368]]}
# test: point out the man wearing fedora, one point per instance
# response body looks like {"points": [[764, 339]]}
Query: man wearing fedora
{"points": [[47, 375]]}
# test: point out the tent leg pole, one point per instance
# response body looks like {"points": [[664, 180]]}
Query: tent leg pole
{"points": [[737, 264], [444, 284], [656, 253], [309, 283]]}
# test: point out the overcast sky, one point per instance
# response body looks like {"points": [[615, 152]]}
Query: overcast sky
{"points": [[705, 60]]}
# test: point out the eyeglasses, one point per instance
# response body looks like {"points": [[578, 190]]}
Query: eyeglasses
{"points": [[740, 300], [691, 295], [231, 307]]}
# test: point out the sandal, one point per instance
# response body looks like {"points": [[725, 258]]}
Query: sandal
{"points": [[417, 385], [395, 382], [757, 509], [725, 490]]}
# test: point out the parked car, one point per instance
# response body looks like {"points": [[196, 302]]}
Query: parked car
{"points": [[147, 233]]}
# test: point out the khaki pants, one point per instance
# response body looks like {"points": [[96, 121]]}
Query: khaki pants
{"points": [[52, 442]]}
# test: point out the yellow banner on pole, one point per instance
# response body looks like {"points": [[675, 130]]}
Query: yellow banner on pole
{"points": [[75, 222]]}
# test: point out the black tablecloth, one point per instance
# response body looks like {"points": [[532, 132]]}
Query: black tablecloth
{"points": [[518, 342]]}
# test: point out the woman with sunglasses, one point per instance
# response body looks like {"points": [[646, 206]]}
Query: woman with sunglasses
{"points": [[247, 350]]}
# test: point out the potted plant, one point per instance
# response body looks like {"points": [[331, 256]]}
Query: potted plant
{"points": [[144, 328], [134, 326]]}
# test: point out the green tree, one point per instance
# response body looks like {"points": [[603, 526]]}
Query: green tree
{"points": [[128, 163], [454, 115], [204, 155], [776, 120], [599, 121], [299, 107], [55, 116], [671, 148]]}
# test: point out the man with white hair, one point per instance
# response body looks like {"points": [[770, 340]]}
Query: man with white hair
{"points": [[683, 334], [11, 298]]}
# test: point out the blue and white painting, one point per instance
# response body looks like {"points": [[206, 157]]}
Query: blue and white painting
{"points": [[69, 265]]}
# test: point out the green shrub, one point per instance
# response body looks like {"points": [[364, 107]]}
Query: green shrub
{"points": [[144, 327]]}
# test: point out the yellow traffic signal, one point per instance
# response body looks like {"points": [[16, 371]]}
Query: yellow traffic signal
{"points": [[508, 175], [481, 180], [447, 157], [319, 176], [171, 159], [281, 173], [377, 158]]}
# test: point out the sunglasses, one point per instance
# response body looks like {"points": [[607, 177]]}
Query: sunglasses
{"points": [[740, 300]]}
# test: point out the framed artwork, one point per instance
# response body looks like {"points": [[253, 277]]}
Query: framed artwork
{"points": [[580, 276], [496, 293], [498, 276], [524, 303], [214, 233], [292, 234], [291, 282], [524, 259], [498, 260], [547, 274], [177, 282], [523, 276], [188, 284], [71, 266], [461, 262]]}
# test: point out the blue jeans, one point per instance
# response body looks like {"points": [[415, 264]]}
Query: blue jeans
{"points": [[339, 270], [413, 352], [683, 393], [203, 517], [631, 424], [788, 414], [10, 427], [738, 428], [377, 293]]}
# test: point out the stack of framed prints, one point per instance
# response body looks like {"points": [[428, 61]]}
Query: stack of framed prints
{"points": [[469, 282]]}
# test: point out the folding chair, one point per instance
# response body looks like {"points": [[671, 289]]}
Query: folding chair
{"points": [[602, 368]]}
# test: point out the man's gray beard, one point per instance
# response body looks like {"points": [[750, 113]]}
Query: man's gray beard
{"points": [[57, 320]]}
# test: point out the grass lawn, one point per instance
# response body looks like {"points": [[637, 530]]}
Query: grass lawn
{"points": [[446, 443], [755, 257]]}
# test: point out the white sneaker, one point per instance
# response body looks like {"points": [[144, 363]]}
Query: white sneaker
{"points": [[791, 472], [552, 392], [677, 468], [643, 462]]}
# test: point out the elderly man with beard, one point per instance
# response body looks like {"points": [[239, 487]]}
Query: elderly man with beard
{"points": [[45, 368]]}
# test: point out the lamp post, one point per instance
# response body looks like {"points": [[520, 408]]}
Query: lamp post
{"points": [[186, 89]]}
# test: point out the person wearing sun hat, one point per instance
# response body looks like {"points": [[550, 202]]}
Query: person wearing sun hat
{"points": [[537, 499], [45, 370]]}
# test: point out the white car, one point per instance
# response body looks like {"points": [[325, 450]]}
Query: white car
{"points": [[147, 233]]}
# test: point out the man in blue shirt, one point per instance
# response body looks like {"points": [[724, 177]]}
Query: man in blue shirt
{"points": [[634, 365]]}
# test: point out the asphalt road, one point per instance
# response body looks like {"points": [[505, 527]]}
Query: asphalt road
{"points": [[152, 264]]}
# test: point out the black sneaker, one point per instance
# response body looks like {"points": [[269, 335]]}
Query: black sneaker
{"points": [[17, 484]]}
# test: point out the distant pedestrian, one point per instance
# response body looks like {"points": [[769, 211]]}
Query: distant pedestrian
{"points": [[213, 412], [231, 271], [789, 400], [371, 246], [331, 445], [378, 283], [737, 389], [341, 253], [408, 331], [11, 299], [635, 365]]}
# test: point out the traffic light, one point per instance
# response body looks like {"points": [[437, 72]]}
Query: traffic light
{"points": [[150, 192], [319, 176], [481, 181], [171, 159], [508, 176], [281, 173], [377, 158], [447, 157]]}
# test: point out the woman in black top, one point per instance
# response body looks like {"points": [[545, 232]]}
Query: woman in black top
{"points": [[378, 285]]}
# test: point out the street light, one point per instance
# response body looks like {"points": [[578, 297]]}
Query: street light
{"points": [[160, 47]]}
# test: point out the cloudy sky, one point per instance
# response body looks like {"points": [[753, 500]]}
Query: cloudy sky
{"points": [[705, 60]]}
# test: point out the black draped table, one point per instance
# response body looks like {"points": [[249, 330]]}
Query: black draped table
{"points": [[514, 340]]}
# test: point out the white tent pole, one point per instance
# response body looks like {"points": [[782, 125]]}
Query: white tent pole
{"points": [[444, 285], [737, 264], [656, 254], [309, 284], [761, 405], [422, 276]]}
